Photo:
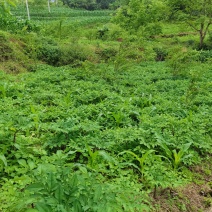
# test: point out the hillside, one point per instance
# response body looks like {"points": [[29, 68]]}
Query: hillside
{"points": [[97, 118]]}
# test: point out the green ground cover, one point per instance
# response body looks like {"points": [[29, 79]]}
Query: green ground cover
{"points": [[94, 118], [41, 13]]}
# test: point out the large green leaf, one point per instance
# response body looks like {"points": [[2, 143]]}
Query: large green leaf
{"points": [[59, 193], [98, 193], [3, 159], [168, 152], [145, 155], [184, 149], [77, 206], [52, 182], [35, 187], [22, 162], [22, 204], [42, 207], [74, 181]]}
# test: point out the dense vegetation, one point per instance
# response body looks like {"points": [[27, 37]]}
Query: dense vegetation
{"points": [[89, 4], [105, 110]]}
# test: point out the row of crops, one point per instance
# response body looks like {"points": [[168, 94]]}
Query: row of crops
{"points": [[118, 123], [108, 135], [42, 13]]}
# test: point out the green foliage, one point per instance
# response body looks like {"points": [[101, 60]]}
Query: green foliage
{"points": [[176, 158], [14, 25], [179, 58], [89, 4], [141, 160], [94, 158], [59, 189], [48, 117], [197, 14], [5, 7], [161, 54], [73, 54], [80, 136], [137, 14], [152, 29], [106, 54], [205, 56], [3, 159]]}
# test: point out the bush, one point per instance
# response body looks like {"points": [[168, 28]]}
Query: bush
{"points": [[72, 54], [107, 53], [205, 56], [14, 25], [13, 57], [208, 42], [161, 54], [56, 54], [49, 52], [102, 33], [5, 48], [111, 32], [180, 59], [152, 30]]}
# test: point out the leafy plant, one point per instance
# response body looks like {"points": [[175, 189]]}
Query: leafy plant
{"points": [[62, 190], [62, 127], [3, 91], [176, 157], [118, 118], [94, 158], [3, 159], [142, 160]]}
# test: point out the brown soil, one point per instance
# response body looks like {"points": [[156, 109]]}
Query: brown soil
{"points": [[194, 197], [181, 34]]}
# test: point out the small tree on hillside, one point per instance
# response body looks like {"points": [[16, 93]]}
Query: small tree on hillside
{"points": [[138, 14], [196, 13], [104, 4], [5, 6]]}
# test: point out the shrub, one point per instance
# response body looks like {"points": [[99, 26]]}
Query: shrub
{"points": [[107, 53], [5, 48], [205, 56], [13, 57], [15, 25], [72, 54], [180, 59], [102, 32], [152, 30], [49, 53], [161, 54], [56, 54]]}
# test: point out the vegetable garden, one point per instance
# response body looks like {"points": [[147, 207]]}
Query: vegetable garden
{"points": [[100, 122]]}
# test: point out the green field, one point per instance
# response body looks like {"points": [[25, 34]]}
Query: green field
{"points": [[93, 118], [57, 13]]}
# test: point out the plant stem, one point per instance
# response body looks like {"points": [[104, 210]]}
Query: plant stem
{"points": [[155, 192]]}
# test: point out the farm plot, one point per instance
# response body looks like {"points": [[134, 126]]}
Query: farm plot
{"points": [[106, 138]]}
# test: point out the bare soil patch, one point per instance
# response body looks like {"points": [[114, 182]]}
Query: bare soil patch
{"points": [[194, 197]]}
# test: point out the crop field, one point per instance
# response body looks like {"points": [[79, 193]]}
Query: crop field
{"points": [[72, 15], [94, 118], [104, 121]]}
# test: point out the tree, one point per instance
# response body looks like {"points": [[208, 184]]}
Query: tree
{"points": [[197, 14], [5, 7], [85, 4], [89, 4], [104, 4], [139, 13]]}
